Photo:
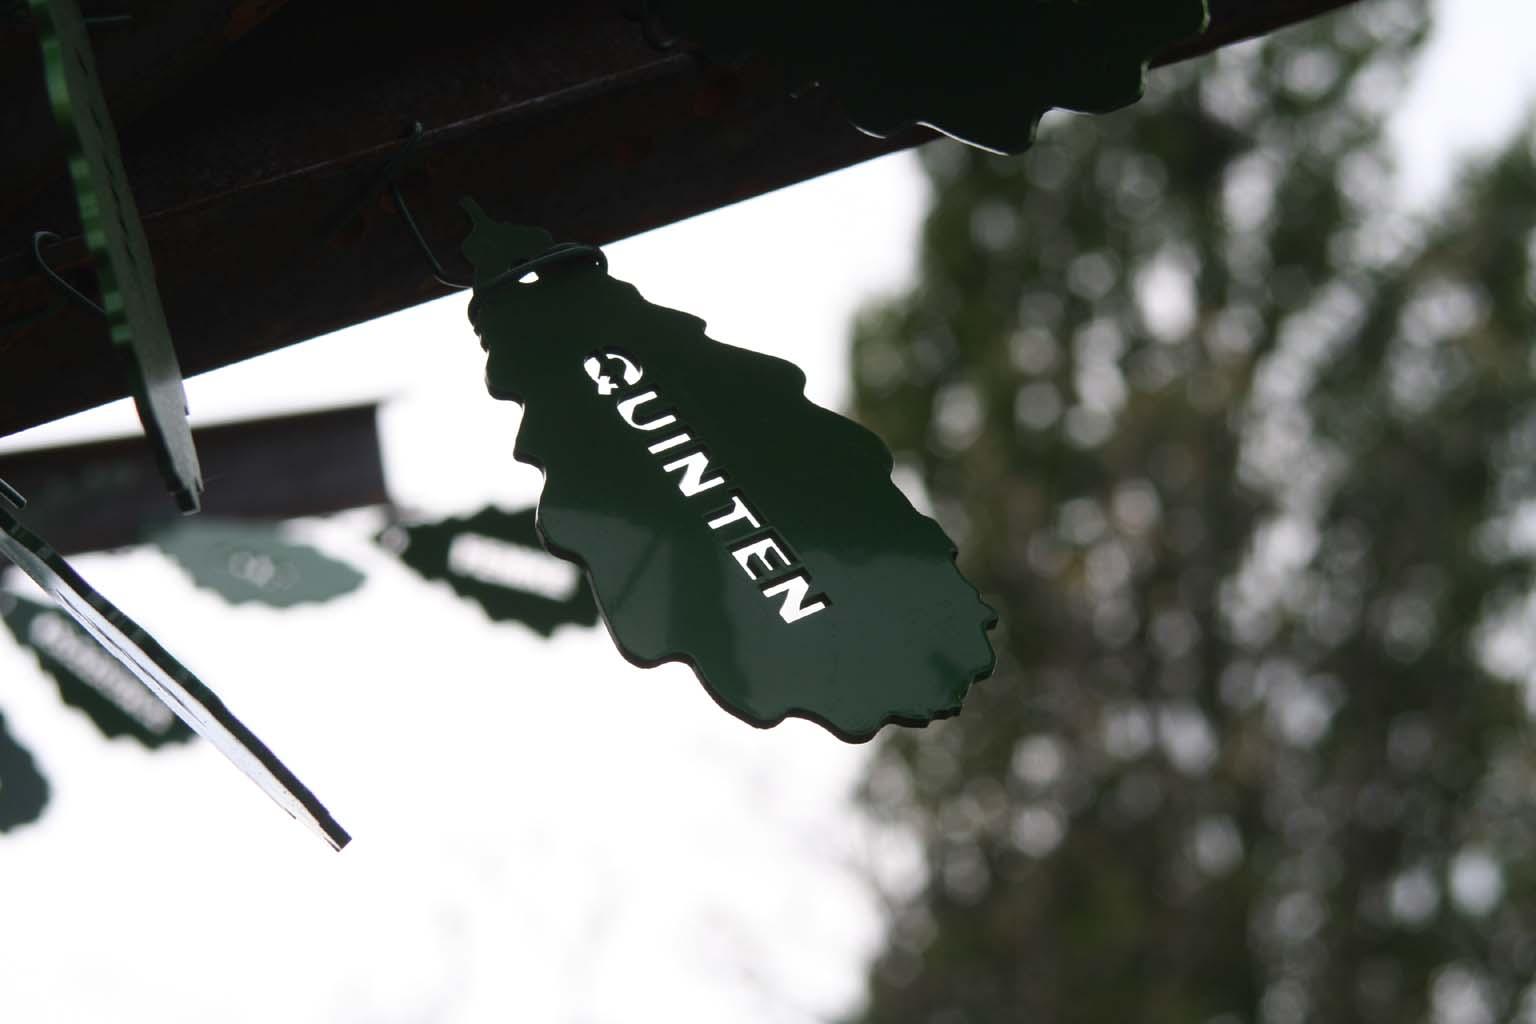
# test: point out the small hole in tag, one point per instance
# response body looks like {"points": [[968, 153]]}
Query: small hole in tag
{"points": [[395, 540], [501, 563]]}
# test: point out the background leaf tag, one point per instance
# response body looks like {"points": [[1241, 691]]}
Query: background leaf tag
{"points": [[23, 790], [496, 559], [723, 519], [89, 678], [251, 562]]}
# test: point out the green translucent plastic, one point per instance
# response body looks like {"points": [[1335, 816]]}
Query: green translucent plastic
{"points": [[723, 519], [485, 557], [116, 239], [23, 790], [251, 563], [88, 678]]}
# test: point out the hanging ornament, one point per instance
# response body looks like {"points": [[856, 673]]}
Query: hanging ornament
{"points": [[89, 678], [23, 790], [980, 71], [723, 519], [115, 236], [251, 563], [495, 558], [153, 666]]}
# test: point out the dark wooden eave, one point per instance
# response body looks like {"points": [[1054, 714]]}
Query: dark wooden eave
{"points": [[254, 132], [108, 494]]}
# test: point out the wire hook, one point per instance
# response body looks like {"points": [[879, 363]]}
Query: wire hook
{"points": [[391, 170], [71, 290]]}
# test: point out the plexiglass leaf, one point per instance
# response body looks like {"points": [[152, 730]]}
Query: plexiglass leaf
{"points": [[116, 239], [495, 558], [23, 790], [251, 563], [724, 520], [88, 678]]}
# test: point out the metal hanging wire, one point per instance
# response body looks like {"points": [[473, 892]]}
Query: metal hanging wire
{"points": [[80, 297], [561, 253], [390, 174]]}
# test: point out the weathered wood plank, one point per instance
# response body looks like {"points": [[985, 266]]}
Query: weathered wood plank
{"points": [[253, 181]]}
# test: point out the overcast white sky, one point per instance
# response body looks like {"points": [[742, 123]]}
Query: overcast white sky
{"points": [[543, 833]]}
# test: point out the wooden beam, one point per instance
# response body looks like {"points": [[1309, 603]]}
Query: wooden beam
{"points": [[146, 51], [107, 494], [258, 179]]}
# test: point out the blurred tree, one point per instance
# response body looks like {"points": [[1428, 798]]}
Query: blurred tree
{"points": [[1242, 457]]}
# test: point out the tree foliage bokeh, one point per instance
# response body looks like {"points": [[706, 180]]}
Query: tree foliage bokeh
{"points": [[1243, 456]]}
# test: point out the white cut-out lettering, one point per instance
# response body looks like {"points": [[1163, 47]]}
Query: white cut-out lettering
{"points": [[93, 666], [694, 466], [738, 512], [795, 590], [760, 558], [513, 566], [669, 444], [629, 373], [764, 550], [629, 405]]}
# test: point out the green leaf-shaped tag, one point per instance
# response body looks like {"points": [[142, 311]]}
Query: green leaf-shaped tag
{"points": [[496, 559], [251, 562], [88, 677], [723, 519], [116, 239], [980, 71], [23, 790]]}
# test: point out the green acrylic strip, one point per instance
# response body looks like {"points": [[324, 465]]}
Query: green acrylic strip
{"points": [[166, 677], [116, 239]]}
